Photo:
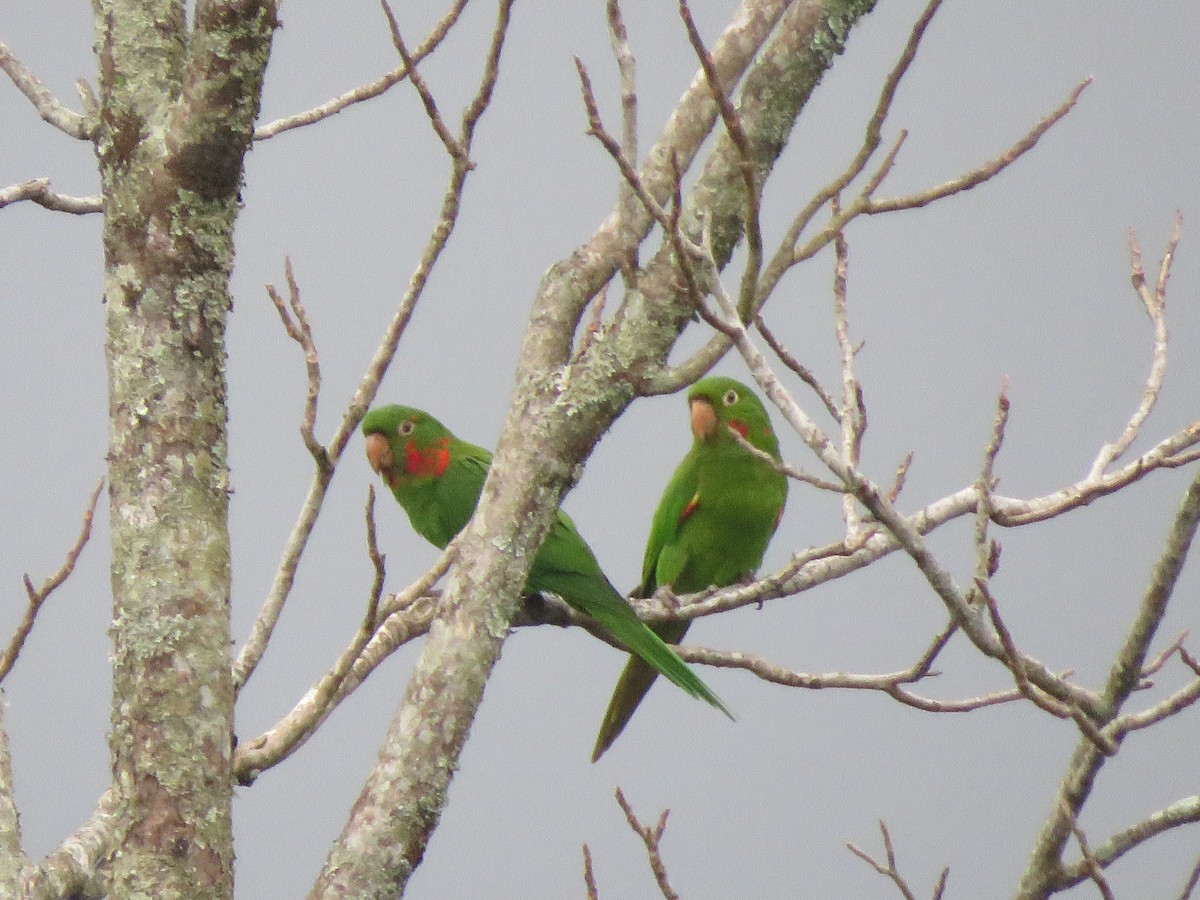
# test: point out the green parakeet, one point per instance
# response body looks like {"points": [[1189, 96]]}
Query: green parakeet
{"points": [[713, 523], [437, 479]]}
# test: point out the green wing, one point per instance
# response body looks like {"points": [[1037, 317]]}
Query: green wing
{"points": [[665, 559], [711, 528]]}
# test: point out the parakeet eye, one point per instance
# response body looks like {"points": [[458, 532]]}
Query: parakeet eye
{"points": [[405, 428], [731, 397]]}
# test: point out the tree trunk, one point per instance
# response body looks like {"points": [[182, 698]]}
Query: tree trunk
{"points": [[176, 113]]}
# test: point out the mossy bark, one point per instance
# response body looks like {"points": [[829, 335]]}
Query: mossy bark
{"points": [[176, 116]]}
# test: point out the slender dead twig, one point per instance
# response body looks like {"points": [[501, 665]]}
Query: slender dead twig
{"points": [[989, 169], [589, 877], [872, 138], [612, 146], [889, 869], [49, 107], [299, 328], [1190, 884], [1095, 871], [798, 367], [418, 82], [1155, 305], [627, 198], [731, 118], [366, 91], [384, 627], [898, 479], [784, 469], [1059, 708], [652, 838], [37, 596]]}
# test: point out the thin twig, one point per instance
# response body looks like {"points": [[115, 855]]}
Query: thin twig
{"points": [[889, 869], [365, 91], [1055, 707], [299, 329], [987, 170], [1155, 305], [36, 597], [418, 82], [49, 107], [1095, 870], [627, 70], [798, 367], [731, 118], [625, 166], [589, 877], [652, 838], [898, 479], [1193, 880], [873, 136], [784, 469]]}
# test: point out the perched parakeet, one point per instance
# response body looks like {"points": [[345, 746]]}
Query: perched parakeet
{"points": [[713, 523], [437, 479]]}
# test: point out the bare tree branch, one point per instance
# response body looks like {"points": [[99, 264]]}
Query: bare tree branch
{"points": [[37, 597], [1182, 812], [452, 146], [782, 260], [38, 191], [1192, 881], [298, 327], [1091, 865], [367, 91], [652, 838], [589, 877], [627, 69], [853, 411], [799, 368], [48, 106], [1045, 865], [383, 629], [889, 869], [987, 171], [1155, 306]]}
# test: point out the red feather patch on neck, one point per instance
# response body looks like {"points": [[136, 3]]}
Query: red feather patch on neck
{"points": [[426, 462], [739, 427]]}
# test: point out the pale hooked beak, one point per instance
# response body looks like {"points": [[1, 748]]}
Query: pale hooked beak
{"points": [[379, 453], [704, 419]]}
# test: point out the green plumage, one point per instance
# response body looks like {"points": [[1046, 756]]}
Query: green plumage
{"points": [[713, 523], [437, 478]]}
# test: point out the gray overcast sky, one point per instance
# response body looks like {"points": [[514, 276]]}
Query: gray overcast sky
{"points": [[1025, 277]]}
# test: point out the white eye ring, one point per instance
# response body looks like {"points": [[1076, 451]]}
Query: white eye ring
{"points": [[731, 397], [406, 427]]}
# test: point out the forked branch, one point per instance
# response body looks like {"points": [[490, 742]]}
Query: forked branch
{"points": [[37, 596], [889, 870]]}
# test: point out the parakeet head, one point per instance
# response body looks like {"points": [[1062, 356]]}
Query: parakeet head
{"points": [[719, 404], [405, 444]]}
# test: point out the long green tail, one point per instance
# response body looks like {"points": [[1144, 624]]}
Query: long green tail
{"points": [[635, 681], [593, 595]]}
